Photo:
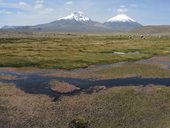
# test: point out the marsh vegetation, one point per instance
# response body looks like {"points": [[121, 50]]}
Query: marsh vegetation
{"points": [[134, 107], [105, 94], [79, 50]]}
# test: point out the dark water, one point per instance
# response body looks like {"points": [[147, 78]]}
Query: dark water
{"points": [[36, 83]]}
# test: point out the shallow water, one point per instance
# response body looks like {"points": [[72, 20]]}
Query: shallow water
{"points": [[163, 61], [37, 82]]}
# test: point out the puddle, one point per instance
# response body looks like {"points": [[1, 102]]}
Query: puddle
{"points": [[123, 53]]}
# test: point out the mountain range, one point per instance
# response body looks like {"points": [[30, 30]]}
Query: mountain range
{"points": [[79, 22]]}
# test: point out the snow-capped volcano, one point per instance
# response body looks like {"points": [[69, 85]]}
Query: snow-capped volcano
{"points": [[79, 22], [121, 18], [122, 23], [75, 22], [77, 16]]}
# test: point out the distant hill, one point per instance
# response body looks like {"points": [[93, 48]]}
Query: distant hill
{"points": [[161, 29]]}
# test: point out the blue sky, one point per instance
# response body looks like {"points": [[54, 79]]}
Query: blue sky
{"points": [[31, 12]]}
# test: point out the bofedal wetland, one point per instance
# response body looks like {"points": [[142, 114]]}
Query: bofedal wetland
{"points": [[50, 81]]}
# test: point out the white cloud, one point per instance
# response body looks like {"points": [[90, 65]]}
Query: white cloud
{"points": [[27, 13], [39, 6], [22, 4], [39, 1], [42, 9], [111, 10], [69, 3], [122, 6], [19, 13], [36, 8], [3, 11], [122, 9], [134, 5], [47, 11]]}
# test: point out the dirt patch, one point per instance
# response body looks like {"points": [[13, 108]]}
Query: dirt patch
{"points": [[62, 87], [9, 77], [96, 89], [21, 69]]}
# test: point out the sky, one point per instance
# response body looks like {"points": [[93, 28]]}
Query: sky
{"points": [[32, 12]]}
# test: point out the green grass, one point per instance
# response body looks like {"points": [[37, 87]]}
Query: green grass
{"points": [[78, 51], [118, 107], [132, 69]]}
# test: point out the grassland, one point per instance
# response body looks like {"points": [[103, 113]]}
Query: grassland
{"points": [[127, 107], [153, 30], [73, 51], [132, 70]]}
